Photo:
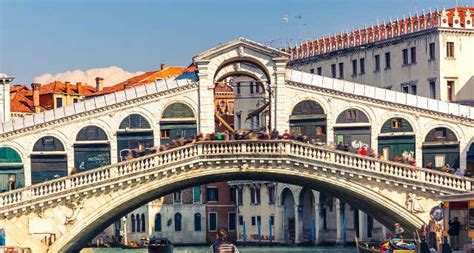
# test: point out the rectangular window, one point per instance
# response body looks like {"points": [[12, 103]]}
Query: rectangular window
{"points": [[255, 195], [197, 194], [413, 89], [240, 196], [387, 60], [251, 87], [212, 222], [254, 220], [241, 220], [450, 87], [75, 100], [165, 134], [354, 67], [432, 49], [212, 194], [311, 71], [333, 70], [271, 194], [341, 70], [405, 56], [232, 192], [450, 49], [257, 88], [232, 221], [177, 197], [272, 220], [59, 102], [320, 71], [238, 88], [396, 123], [362, 66], [413, 55], [377, 63], [433, 89], [405, 88]]}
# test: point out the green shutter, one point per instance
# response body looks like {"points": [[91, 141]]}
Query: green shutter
{"points": [[197, 194], [8, 155]]}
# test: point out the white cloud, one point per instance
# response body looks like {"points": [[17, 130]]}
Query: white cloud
{"points": [[112, 75]]}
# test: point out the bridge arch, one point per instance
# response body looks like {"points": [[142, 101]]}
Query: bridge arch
{"points": [[241, 68], [251, 60], [359, 196]]}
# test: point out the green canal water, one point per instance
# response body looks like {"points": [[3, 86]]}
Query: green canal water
{"points": [[242, 249]]}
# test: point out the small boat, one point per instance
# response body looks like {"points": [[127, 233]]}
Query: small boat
{"points": [[365, 247], [160, 245]]}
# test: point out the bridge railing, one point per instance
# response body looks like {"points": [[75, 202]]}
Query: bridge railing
{"points": [[357, 163]]}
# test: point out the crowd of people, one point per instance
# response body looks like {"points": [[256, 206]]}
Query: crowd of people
{"points": [[273, 135]]}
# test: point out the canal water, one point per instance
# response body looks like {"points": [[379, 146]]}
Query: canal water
{"points": [[242, 249]]}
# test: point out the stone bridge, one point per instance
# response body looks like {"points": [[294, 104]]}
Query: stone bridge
{"points": [[63, 214]]}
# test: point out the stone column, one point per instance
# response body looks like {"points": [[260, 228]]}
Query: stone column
{"points": [[280, 112], [206, 98], [317, 218], [363, 235], [298, 224], [339, 221]]}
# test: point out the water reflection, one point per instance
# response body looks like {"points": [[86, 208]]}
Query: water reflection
{"points": [[242, 249]]}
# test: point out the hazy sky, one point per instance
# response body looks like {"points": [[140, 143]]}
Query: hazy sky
{"points": [[38, 37]]}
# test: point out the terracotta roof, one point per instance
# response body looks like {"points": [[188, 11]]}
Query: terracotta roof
{"points": [[20, 102], [60, 87], [147, 77]]}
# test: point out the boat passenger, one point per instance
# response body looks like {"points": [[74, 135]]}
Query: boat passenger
{"points": [[222, 243]]}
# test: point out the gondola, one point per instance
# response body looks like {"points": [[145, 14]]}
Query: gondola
{"points": [[160, 245], [366, 248]]}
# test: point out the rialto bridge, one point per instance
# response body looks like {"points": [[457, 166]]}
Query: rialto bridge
{"points": [[60, 215]]}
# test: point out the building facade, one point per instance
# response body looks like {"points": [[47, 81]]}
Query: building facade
{"points": [[426, 55]]}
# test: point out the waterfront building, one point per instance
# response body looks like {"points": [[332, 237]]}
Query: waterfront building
{"points": [[427, 55]]}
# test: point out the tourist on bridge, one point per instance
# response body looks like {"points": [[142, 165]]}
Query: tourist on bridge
{"points": [[222, 243]]}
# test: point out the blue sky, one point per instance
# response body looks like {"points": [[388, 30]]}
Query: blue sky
{"points": [[38, 37]]}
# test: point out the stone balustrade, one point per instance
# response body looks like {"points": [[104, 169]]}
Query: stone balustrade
{"points": [[202, 151]]}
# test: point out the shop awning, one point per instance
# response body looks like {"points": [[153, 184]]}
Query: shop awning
{"points": [[257, 111]]}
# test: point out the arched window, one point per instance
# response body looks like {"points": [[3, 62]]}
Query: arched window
{"points": [[48, 160], [135, 121], [11, 170], [158, 222], [441, 149], [400, 146], [177, 222], [178, 110], [177, 121], [133, 222], [91, 149], [143, 223], [353, 129], [197, 222], [352, 116], [134, 132], [138, 223], [308, 118]]}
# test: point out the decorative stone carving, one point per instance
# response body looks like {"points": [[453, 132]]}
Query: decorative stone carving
{"points": [[75, 206], [412, 203]]}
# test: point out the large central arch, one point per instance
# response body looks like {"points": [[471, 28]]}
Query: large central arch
{"points": [[206, 170]]}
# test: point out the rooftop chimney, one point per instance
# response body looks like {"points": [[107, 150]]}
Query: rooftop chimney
{"points": [[99, 84], [80, 88], [68, 88], [36, 97], [162, 66]]}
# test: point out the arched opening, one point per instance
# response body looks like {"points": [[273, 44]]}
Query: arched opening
{"points": [[241, 97], [48, 160], [177, 121], [143, 222], [441, 149], [197, 222], [289, 217], [353, 129], [307, 214], [308, 118], [158, 222], [132, 217], [135, 132], [91, 149], [11, 170], [397, 140], [177, 222], [470, 160]]}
